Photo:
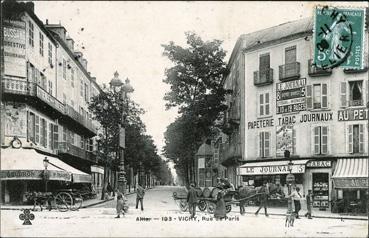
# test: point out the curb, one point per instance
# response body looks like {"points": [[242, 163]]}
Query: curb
{"points": [[326, 217]]}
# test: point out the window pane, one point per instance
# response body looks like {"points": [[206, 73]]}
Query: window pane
{"points": [[317, 96]]}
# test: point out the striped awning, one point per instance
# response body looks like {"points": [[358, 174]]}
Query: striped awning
{"points": [[351, 173]]}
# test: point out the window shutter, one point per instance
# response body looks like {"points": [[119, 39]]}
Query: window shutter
{"points": [[316, 143], [51, 138], [37, 129], [324, 140], [260, 144], [45, 134], [309, 97], [343, 94], [367, 91], [361, 138], [350, 138], [266, 144], [324, 95], [31, 127], [267, 100], [261, 104], [56, 137]]}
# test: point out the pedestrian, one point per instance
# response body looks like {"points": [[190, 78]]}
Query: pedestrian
{"points": [[242, 202], [192, 200], [109, 189], [220, 209], [140, 193], [296, 201], [309, 203], [264, 198], [120, 203]]}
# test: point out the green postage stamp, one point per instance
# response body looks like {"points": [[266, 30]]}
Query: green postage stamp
{"points": [[339, 37]]}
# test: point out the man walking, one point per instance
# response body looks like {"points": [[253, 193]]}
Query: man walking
{"points": [[192, 200], [140, 192], [264, 198], [309, 201]]}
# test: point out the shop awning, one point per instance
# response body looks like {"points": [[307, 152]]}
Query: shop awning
{"points": [[27, 164], [351, 173], [272, 167]]}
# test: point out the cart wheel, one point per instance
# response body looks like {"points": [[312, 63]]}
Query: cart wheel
{"points": [[183, 205], [202, 205], [63, 201], [228, 208], [77, 202], [210, 207]]}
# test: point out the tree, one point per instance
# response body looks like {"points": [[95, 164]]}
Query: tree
{"points": [[196, 89]]}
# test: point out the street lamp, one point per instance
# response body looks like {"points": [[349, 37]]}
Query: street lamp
{"points": [[123, 88], [290, 179], [46, 163]]}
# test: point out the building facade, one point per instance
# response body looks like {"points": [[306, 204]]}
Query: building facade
{"points": [[319, 116], [45, 93]]}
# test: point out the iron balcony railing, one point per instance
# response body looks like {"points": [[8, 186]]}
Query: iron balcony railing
{"points": [[69, 111], [263, 77], [70, 149], [289, 71], [314, 71]]}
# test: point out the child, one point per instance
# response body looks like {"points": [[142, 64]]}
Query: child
{"points": [[120, 203]]}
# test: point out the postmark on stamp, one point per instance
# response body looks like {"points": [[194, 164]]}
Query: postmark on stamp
{"points": [[339, 37]]}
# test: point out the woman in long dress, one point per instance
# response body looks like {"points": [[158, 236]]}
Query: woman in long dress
{"points": [[220, 210]]}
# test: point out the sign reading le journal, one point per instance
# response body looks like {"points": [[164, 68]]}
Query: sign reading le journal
{"points": [[291, 96]]}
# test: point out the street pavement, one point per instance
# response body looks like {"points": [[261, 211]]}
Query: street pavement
{"points": [[162, 217]]}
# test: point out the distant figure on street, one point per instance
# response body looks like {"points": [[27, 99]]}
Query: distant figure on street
{"points": [[140, 192], [309, 203], [220, 209], [242, 202], [192, 200], [109, 189], [296, 201], [120, 203], [264, 198]]}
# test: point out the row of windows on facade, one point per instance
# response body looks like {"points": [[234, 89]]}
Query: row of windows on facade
{"points": [[41, 42], [36, 76], [351, 94], [290, 58], [320, 141], [47, 134]]}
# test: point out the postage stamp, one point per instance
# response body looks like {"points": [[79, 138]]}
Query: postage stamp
{"points": [[339, 37]]}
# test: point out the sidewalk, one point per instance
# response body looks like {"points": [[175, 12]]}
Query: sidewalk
{"points": [[281, 211], [85, 204]]}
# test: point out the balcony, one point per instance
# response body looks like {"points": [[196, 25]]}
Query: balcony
{"points": [[49, 99], [264, 77], [20, 87], [69, 149], [77, 117], [289, 71], [316, 72], [354, 103], [230, 152]]}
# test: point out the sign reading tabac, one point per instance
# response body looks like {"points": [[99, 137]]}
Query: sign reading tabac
{"points": [[339, 37]]}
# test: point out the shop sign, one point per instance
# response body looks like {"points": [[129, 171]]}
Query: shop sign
{"points": [[306, 117], [356, 114], [260, 123], [351, 182], [33, 174], [275, 169], [15, 48], [319, 164], [291, 96]]}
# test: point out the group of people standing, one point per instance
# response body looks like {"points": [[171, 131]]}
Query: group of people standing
{"points": [[122, 199]]}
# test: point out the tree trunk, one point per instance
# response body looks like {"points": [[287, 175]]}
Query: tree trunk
{"points": [[104, 182]]}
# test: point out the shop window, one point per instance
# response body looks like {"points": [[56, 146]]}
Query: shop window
{"points": [[320, 140], [264, 144], [264, 104], [321, 190], [356, 138]]}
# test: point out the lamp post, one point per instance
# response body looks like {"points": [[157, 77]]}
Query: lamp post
{"points": [[290, 179], [46, 163], [123, 89]]}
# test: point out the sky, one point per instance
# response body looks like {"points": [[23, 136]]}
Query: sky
{"points": [[127, 36]]}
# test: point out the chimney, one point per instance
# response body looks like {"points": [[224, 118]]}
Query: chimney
{"points": [[30, 6], [84, 63], [58, 29], [70, 43]]}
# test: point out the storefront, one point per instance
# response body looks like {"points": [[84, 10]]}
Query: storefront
{"points": [[255, 173], [351, 185], [24, 170]]}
